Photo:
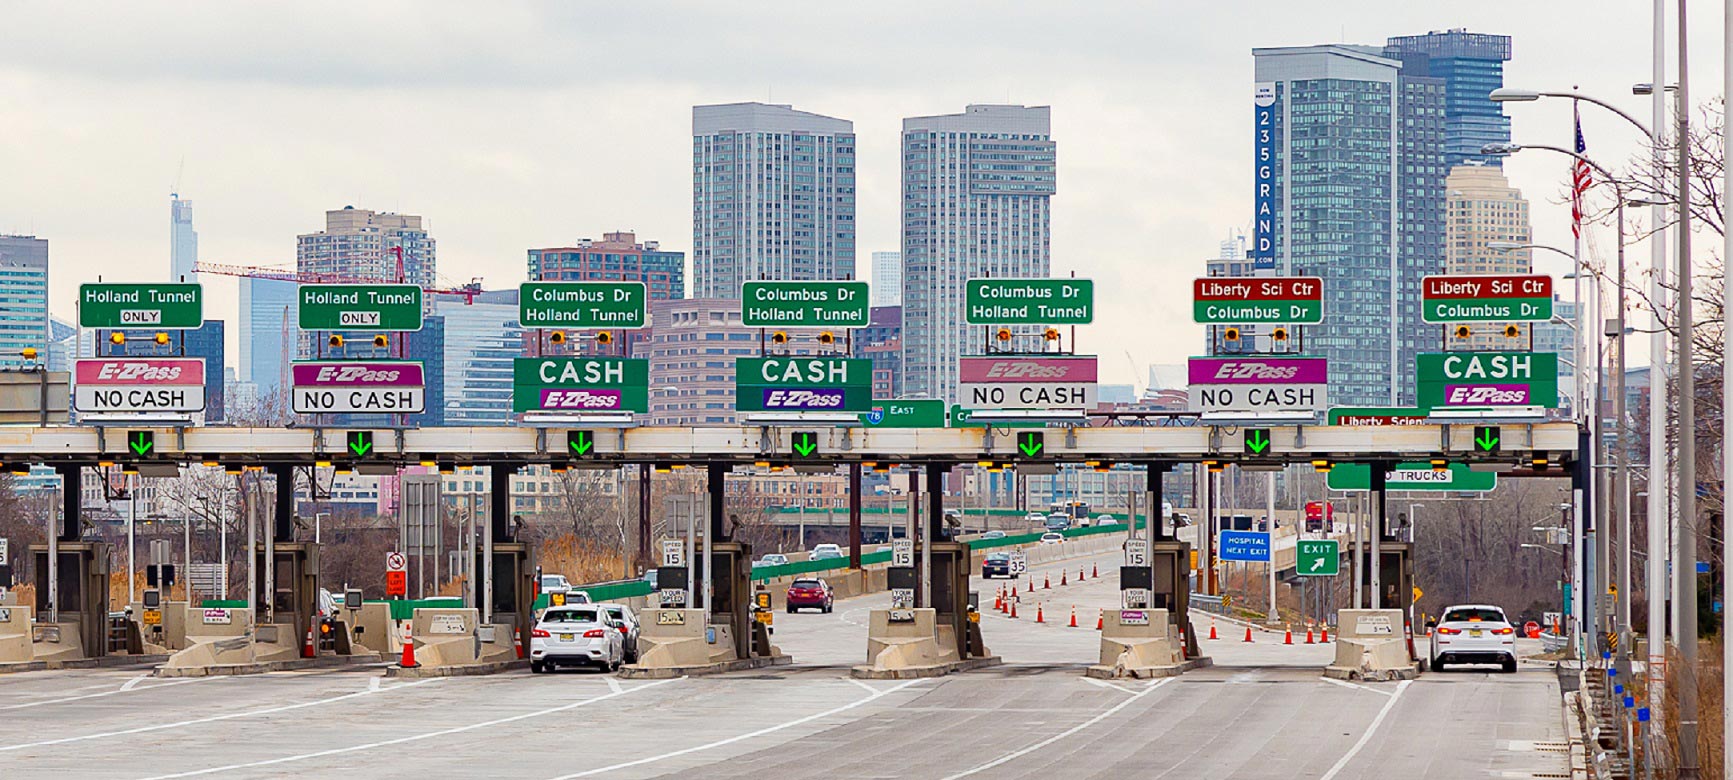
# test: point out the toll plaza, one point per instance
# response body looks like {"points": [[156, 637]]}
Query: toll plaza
{"points": [[930, 627]]}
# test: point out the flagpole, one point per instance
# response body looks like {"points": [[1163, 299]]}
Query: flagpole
{"points": [[1579, 535]]}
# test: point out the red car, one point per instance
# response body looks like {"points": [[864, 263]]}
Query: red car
{"points": [[809, 593]]}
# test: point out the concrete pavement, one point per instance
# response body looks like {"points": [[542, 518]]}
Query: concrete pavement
{"points": [[1263, 711]]}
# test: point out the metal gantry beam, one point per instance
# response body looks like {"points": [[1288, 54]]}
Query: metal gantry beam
{"points": [[748, 444]]}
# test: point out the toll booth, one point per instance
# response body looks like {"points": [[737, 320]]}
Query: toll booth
{"points": [[952, 600], [1168, 583], [514, 587], [295, 579], [731, 601], [1395, 575], [83, 584]]}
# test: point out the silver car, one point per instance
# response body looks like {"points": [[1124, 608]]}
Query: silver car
{"points": [[628, 627], [582, 635]]}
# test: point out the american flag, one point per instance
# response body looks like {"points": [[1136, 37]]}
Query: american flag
{"points": [[1581, 180]]}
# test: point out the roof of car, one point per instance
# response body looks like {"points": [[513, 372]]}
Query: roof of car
{"points": [[1474, 606]]}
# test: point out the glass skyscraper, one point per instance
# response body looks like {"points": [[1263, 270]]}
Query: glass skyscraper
{"points": [[480, 339], [183, 241], [1358, 200], [977, 188], [23, 298], [772, 196], [268, 336], [1471, 65]]}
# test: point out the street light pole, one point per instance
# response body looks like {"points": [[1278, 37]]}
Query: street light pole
{"points": [[1685, 567]]}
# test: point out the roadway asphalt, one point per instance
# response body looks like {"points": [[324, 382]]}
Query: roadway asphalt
{"points": [[1263, 711]]}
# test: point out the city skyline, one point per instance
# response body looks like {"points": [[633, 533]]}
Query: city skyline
{"points": [[498, 203]]}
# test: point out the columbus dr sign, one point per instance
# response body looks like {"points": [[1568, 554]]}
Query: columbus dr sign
{"points": [[1486, 298], [779, 304], [1029, 302], [1258, 300]]}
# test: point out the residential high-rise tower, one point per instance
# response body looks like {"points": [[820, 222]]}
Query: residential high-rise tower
{"points": [[1471, 66], [23, 298], [1483, 208]]}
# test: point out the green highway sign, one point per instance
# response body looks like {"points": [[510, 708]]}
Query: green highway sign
{"points": [[141, 442], [1486, 298], [1295, 300], [580, 443], [1377, 415], [580, 384], [905, 413], [360, 443], [1486, 438], [1413, 476], [964, 418], [1029, 302], [153, 306], [1317, 558], [582, 305], [1257, 441], [804, 443], [1451, 380], [804, 305], [803, 384], [1031, 444], [360, 307]]}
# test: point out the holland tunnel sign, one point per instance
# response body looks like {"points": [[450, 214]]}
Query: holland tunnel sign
{"points": [[803, 384], [1259, 384], [357, 387]]}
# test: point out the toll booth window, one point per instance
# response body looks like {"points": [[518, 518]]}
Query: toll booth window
{"points": [[570, 616]]}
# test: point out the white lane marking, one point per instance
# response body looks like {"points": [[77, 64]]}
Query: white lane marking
{"points": [[869, 688], [1346, 684], [415, 737], [211, 719], [614, 685], [1102, 684], [1012, 756], [129, 686], [741, 737], [1370, 730], [373, 683]]}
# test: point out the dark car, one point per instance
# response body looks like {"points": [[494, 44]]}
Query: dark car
{"points": [[997, 564], [809, 593]]}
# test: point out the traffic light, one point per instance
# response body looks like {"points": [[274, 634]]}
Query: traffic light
{"points": [[804, 443], [1538, 461], [335, 341], [1440, 464], [1051, 334], [360, 443], [380, 341], [1231, 334], [557, 338], [1322, 466], [1486, 438], [1214, 466], [1279, 334], [1462, 331], [1031, 444], [827, 338], [161, 339], [141, 443], [29, 353], [1004, 334], [580, 442], [605, 338], [1512, 331], [117, 338], [779, 337], [1257, 441]]}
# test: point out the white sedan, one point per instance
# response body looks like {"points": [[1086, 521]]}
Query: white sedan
{"points": [[1474, 634], [1052, 538], [583, 635]]}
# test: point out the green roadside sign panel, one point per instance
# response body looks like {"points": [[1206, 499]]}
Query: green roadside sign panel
{"points": [[905, 413], [1486, 298], [360, 307], [582, 305], [1374, 416], [803, 384], [964, 418], [1296, 300], [1458, 478], [1454, 380], [1029, 302], [156, 306], [1317, 558], [580, 384], [804, 305]]}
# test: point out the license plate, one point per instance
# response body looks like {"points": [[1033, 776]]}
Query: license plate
{"points": [[1474, 632], [568, 637]]}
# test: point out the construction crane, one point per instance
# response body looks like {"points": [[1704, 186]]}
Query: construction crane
{"points": [[468, 290]]}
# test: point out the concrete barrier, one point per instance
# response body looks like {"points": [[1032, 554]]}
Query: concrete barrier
{"points": [[677, 642], [1141, 643], [373, 630], [172, 637], [59, 642], [916, 647], [1371, 644], [446, 637], [16, 642]]}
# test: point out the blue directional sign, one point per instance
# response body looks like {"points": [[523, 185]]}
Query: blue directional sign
{"points": [[1244, 546]]}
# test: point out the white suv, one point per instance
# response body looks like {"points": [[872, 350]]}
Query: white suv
{"points": [[1474, 634]]}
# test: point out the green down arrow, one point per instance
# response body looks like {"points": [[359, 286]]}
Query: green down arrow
{"points": [[804, 444], [142, 442], [582, 444], [1030, 446], [1258, 440], [360, 445], [1486, 440]]}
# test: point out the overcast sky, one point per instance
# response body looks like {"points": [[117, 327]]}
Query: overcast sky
{"points": [[512, 125]]}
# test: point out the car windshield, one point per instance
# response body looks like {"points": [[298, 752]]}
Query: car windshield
{"points": [[570, 616], [1473, 615], [813, 584]]}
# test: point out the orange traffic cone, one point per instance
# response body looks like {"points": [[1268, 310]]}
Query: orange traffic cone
{"points": [[1013, 610], [1062, 580], [1326, 637], [1212, 630], [1031, 584], [1046, 582], [1100, 616], [307, 650], [1073, 616], [1038, 616], [1309, 635], [1080, 574], [1288, 637], [1096, 570], [408, 660], [517, 643], [1248, 633]]}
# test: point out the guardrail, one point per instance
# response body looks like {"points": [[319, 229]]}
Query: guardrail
{"points": [[1208, 603]]}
